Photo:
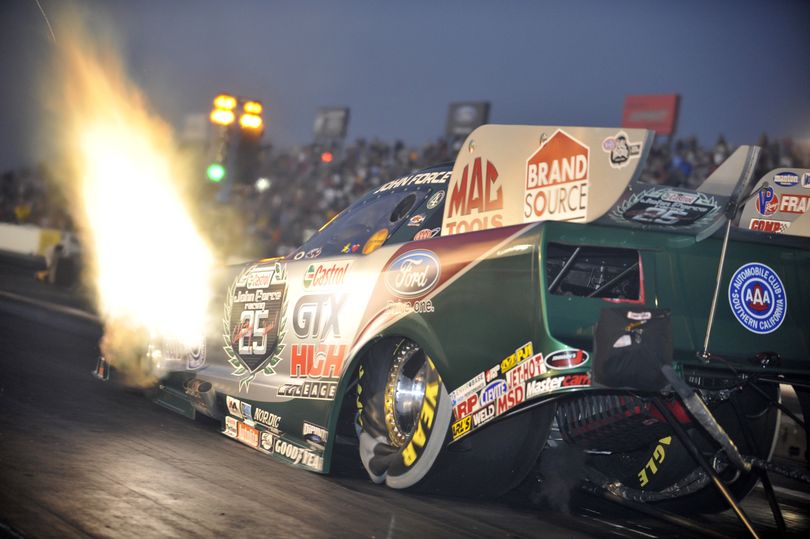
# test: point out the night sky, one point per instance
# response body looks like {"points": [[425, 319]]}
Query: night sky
{"points": [[741, 67]]}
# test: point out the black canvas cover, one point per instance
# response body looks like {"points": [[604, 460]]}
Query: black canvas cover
{"points": [[630, 346]]}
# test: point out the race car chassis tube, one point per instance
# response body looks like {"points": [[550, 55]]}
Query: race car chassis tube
{"points": [[700, 460]]}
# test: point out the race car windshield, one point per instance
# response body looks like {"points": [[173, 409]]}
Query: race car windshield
{"points": [[350, 231]]}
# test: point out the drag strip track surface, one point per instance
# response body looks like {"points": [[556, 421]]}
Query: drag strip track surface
{"points": [[82, 458]]}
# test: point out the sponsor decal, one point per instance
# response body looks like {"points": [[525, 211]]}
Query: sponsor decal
{"points": [[576, 380], [768, 225], [531, 367], [267, 441], [767, 203], [350, 248], [482, 416], [510, 383], [519, 355], [557, 179], [658, 456], [666, 207], [324, 391], [297, 455], [317, 360], [465, 407], [247, 435], [314, 253], [423, 426], [757, 298], [794, 203], [323, 275], [299, 255], [806, 180], [316, 316], [417, 220], [476, 201], [266, 418], [427, 233], [233, 406], [419, 306], [375, 241], [230, 426], [492, 391], [435, 199], [461, 427], [620, 150], [510, 399], [247, 410], [786, 179], [535, 388], [432, 178], [567, 359], [315, 434], [462, 392], [413, 274], [254, 322]]}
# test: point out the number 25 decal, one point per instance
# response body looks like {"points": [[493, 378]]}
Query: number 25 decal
{"points": [[252, 332], [660, 216]]}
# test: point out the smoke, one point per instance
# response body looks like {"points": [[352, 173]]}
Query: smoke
{"points": [[145, 259], [561, 470]]}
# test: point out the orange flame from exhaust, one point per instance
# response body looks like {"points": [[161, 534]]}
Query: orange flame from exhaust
{"points": [[150, 266]]}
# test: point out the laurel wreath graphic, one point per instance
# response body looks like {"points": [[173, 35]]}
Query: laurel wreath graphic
{"points": [[240, 369], [617, 214]]}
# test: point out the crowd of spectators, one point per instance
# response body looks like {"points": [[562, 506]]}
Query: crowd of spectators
{"points": [[307, 186]]}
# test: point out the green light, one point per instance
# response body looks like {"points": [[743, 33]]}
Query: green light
{"points": [[215, 172]]}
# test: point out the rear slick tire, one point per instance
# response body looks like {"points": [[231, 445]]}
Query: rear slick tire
{"points": [[400, 433]]}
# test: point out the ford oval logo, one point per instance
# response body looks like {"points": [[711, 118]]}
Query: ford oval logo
{"points": [[413, 274]]}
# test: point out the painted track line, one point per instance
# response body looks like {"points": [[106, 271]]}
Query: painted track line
{"points": [[62, 309]]}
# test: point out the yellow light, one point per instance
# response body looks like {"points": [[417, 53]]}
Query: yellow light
{"points": [[250, 121], [224, 101], [222, 117], [253, 107]]}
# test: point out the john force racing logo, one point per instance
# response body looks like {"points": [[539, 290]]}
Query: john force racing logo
{"points": [[757, 298], [254, 322]]}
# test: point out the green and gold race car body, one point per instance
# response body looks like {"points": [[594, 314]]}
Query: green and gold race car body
{"points": [[495, 270]]}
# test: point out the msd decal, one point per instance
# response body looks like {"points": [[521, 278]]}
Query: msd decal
{"points": [[767, 202], [476, 201], [557, 180], [757, 298]]}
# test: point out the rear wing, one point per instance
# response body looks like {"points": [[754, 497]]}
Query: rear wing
{"points": [[512, 174], [779, 203]]}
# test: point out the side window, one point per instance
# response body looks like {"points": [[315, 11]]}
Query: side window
{"points": [[593, 272], [364, 226], [424, 221]]}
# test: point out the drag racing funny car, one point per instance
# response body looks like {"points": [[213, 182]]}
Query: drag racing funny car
{"points": [[456, 321]]}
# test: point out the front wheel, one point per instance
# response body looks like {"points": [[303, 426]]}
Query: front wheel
{"points": [[403, 413]]}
